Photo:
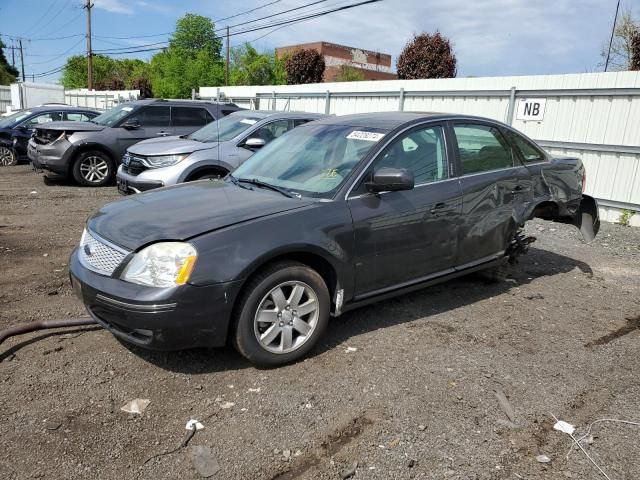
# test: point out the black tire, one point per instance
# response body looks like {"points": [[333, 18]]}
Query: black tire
{"points": [[8, 157], [86, 177], [246, 327]]}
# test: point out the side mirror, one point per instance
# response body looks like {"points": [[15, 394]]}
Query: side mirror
{"points": [[390, 180], [131, 124], [254, 142]]}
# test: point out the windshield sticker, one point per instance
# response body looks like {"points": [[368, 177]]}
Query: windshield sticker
{"points": [[368, 136], [329, 173], [127, 109], [248, 121]]}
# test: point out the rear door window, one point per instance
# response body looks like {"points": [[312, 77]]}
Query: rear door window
{"points": [[273, 130], [77, 116], [190, 116], [528, 151], [482, 148], [154, 116]]}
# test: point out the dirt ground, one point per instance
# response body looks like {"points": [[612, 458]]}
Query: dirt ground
{"points": [[415, 399]]}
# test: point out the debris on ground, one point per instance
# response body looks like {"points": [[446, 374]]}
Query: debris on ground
{"points": [[349, 472], [543, 459], [505, 405], [203, 461], [136, 406]]}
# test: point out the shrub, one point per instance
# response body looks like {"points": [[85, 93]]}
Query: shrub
{"points": [[427, 56]]}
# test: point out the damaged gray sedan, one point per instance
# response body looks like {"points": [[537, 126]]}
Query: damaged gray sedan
{"points": [[336, 214]]}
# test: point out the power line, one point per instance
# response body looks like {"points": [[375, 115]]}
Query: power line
{"points": [[44, 15], [273, 15], [286, 21], [59, 55], [244, 13]]}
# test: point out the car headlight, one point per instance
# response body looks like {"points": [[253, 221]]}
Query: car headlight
{"points": [[163, 264], [160, 161]]}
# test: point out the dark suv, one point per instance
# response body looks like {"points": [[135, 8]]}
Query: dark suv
{"points": [[91, 152], [16, 129]]}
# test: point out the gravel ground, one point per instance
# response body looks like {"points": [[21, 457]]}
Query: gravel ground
{"points": [[402, 389]]}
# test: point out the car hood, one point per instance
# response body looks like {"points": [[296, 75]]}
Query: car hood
{"points": [[184, 211], [168, 146], [71, 126]]}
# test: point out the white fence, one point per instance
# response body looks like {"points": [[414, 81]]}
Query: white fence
{"points": [[101, 100], [28, 95], [5, 98], [595, 116]]}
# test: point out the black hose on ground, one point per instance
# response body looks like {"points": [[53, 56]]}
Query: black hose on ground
{"points": [[44, 325]]}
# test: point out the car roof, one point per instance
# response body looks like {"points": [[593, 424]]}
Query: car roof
{"points": [[57, 107], [276, 113], [148, 101], [392, 120]]}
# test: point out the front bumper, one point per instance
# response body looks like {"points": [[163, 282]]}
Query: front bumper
{"points": [[148, 179], [54, 156], [173, 318]]}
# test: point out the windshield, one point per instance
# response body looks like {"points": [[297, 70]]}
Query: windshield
{"points": [[14, 118], [224, 129], [110, 117], [312, 160]]}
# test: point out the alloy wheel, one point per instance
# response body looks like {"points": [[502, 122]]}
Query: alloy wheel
{"points": [[94, 169], [286, 317], [6, 156]]}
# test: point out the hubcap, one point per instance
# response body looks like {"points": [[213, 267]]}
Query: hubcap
{"points": [[287, 317], [6, 156], [94, 169]]}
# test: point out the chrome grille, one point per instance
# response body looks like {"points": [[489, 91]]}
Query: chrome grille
{"points": [[98, 256]]}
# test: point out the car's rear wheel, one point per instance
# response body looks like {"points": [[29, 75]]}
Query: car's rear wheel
{"points": [[283, 312], [7, 157], [93, 169]]}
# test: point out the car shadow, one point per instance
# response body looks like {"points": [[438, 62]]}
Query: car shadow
{"points": [[417, 305]]}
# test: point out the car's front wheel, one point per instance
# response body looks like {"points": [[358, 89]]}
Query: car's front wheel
{"points": [[93, 169], [282, 314], [7, 157]]}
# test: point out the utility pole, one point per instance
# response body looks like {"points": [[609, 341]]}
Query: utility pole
{"points": [[613, 31], [13, 56], [89, 6], [21, 58], [226, 67]]}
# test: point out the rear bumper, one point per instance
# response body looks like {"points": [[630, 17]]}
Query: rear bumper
{"points": [[156, 318]]}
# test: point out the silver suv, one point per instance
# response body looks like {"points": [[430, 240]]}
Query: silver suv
{"points": [[211, 152]]}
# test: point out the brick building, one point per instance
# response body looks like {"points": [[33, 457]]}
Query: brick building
{"points": [[372, 65]]}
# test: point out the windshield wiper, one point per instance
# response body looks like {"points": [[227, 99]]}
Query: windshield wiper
{"points": [[236, 182], [260, 183]]}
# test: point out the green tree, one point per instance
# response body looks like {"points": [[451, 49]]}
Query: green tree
{"points": [[427, 56], [108, 73], [8, 73], [349, 74], [192, 59], [248, 67], [622, 45]]}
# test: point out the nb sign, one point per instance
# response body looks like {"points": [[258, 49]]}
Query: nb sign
{"points": [[531, 109]]}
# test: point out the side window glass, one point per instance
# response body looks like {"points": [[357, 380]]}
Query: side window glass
{"points": [[189, 116], [227, 112], [482, 148], [43, 118], [272, 130], [420, 151], [300, 121], [76, 117], [154, 116], [530, 153]]}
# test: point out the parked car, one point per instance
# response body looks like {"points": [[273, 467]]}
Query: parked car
{"points": [[336, 214], [91, 152], [211, 152], [16, 128]]}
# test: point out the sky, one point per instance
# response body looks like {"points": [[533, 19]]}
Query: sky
{"points": [[489, 37]]}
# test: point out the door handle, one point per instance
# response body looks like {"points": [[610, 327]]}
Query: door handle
{"points": [[163, 133], [437, 208], [519, 189]]}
